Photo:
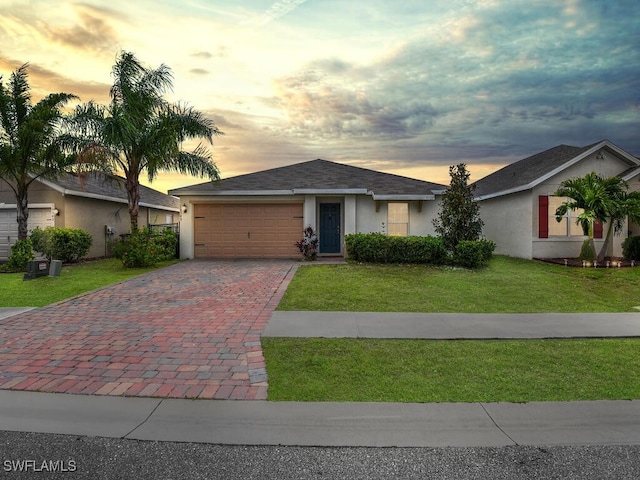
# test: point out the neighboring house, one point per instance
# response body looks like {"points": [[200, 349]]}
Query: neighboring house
{"points": [[517, 203], [92, 203], [263, 214]]}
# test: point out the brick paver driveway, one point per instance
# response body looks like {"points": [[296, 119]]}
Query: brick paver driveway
{"points": [[189, 330]]}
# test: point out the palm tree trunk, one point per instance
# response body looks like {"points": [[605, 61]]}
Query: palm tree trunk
{"points": [[22, 213], [605, 246], [133, 194]]}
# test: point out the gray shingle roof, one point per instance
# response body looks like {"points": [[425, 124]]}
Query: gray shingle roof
{"points": [[314, 175], [526, 171], [110, 187]]}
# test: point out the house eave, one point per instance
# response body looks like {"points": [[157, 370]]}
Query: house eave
{"points": [[330, 191], [229, 193], [402, 197], [632, 174]]}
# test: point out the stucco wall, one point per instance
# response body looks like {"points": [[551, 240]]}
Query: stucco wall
{"points": [[507, 222], [420, 222]]}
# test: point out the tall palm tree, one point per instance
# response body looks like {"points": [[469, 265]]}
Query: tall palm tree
{"points": [[600, 199], [32, 143], [141, 131]]}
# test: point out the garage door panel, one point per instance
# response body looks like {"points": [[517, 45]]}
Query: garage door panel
{"points": [[247, 230], [38, 217]]}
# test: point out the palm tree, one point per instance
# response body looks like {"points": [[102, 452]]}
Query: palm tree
{"points": [[625, 207], [140, 131], [32, 144], [601, 200]]}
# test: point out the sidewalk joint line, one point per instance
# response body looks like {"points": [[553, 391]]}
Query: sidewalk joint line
{"points": [[126, 435], [498, 426]]}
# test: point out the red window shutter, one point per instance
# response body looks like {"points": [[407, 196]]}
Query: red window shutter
{"points": [[543, 216], [597, 229]]}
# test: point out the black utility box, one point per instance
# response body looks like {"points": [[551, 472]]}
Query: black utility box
{"points": [[37, 268]]}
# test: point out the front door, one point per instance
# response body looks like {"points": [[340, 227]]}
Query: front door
{"points": [[329, 228]]}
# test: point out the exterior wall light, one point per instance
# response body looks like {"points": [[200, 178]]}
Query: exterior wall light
{"points": [[184, 208], [55, 212]]}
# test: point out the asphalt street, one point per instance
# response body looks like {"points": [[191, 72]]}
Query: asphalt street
{"points": [[107, 458]]}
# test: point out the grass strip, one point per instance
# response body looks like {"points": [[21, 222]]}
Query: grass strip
{"points": [[375, 370]]}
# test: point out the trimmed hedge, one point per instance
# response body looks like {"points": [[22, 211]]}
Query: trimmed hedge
{"points": [[631, 248], [66, 244], [380, 248]]}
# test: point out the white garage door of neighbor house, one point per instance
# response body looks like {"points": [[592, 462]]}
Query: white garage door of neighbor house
{"points": [[247, 230], [38, 217]]}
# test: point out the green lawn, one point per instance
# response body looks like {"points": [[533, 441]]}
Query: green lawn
{"points": [[360, 370], [73, 280], [507, 285]]}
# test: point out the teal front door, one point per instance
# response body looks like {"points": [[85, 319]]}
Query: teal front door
{"points": [[329, 228]]}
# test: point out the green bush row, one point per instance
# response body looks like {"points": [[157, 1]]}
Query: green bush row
{"points": [[145, 248], [380, 248], [66, 244]]}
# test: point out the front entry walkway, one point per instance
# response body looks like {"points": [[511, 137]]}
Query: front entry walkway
{"points": [[191, 330]]}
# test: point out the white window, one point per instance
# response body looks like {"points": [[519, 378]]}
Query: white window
{"points": [[567, 227], [398, 219]]}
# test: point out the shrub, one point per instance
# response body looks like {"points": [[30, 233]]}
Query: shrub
{"points": [[631, 248], [37, 239], [588, 251], [66, 244], [473, 253], [21, 254], [380, 248], [308, 246], [165, 244], [145, 248]]}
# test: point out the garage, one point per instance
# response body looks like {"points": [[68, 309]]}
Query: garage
{"points": [[247, 230], [38, 217]]}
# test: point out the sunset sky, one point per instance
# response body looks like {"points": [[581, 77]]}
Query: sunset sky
{"points": [[405, 87]]}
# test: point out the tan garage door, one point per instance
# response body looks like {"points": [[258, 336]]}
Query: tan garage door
{"points": [[247, 230]]}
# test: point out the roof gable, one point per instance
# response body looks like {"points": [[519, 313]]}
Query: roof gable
{"points": [[316, 177], [531, 171], [109, 188]]}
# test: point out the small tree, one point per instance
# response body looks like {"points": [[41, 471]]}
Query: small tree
{"points": [[459, 217]]}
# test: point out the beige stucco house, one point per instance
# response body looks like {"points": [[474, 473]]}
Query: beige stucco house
{"points": [[92, 203], [263, 214], [517, 203]]}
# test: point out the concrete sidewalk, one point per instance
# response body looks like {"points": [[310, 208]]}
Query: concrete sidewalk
{"points": [[6, 312], [452, 325], [324, 424]]}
